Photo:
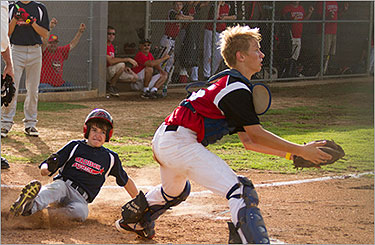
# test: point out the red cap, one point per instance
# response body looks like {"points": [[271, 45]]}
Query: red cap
{"points": [[53, 38]]}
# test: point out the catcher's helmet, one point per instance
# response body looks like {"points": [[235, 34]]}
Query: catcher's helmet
{"points": [[102, 115]]}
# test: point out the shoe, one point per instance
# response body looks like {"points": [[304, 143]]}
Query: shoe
{"points": [[4, 163], [155, 95], [4, 132], [112, 90], [148, 233], [31, 131], [25, 201], [146, 95]]}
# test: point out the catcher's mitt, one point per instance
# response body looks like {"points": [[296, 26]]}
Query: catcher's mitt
{"points": [[7, 90], [53, 163], [330, 147]]}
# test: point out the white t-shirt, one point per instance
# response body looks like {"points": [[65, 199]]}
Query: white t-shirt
{"points": [[4, 25]]}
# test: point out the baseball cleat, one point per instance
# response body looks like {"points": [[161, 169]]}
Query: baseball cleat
{"points": [[24, 202], [123, 227]]}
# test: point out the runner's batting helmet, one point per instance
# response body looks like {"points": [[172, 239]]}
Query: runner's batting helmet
{"points": [[101, 115]]}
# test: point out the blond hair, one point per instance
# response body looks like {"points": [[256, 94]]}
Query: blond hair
{"points": [[235, 39]]}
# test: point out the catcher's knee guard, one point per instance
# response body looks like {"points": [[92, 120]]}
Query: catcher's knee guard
{"points": [[250, 220]]}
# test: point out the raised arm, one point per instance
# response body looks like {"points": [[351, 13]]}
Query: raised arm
{"points": [[52, 25], [78, 36]]}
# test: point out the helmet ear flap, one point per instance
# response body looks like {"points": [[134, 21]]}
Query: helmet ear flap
{"points": [[86, 131], [109, 135]]}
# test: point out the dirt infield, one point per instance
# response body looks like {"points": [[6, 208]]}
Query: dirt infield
{"points": [[337, 211], [332, 211]]}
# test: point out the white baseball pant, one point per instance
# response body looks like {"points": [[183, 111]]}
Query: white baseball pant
{"points": [[216, 56], [181, 157], [28, 58], [74, 205], [169, 43]]}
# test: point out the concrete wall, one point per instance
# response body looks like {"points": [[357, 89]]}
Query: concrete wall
{"points": [[126, 17]]}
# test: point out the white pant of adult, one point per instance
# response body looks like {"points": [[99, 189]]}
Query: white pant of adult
{"points": [[28, 59], [216, 56], [169, 43], [139, 84], [181, 158], [74, 205]]}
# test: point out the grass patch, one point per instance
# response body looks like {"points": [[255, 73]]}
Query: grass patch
{"points": [[53, 106]]}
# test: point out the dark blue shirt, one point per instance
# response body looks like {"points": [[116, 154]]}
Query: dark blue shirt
{"points": [[24, 34], [89, 166]]}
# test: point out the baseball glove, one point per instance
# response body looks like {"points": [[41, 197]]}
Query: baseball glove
{"points": [[53, 163], [7, 90], [330, 147]]}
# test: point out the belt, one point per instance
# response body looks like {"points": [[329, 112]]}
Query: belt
{"points": [[171, 128], [78, 188]]}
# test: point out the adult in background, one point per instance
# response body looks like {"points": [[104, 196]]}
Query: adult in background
{"points": [[147, 81], [117, 71], [295, 11], [6, 55], [222, 14], [29, 23], [54, 57]]}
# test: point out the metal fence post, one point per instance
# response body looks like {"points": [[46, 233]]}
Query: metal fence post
{"points": [[213, 46], [272, 37], [147, 20], [89, 61], [322, 41], [370, 33]]}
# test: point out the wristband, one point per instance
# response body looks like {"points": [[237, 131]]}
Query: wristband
{"points": [[288, 156]]}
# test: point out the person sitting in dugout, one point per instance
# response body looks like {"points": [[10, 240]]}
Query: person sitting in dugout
{"points": [[83, 166]]}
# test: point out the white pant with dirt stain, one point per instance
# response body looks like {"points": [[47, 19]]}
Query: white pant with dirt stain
{"points": [[74, 205], [181, 157], [28, 59]]}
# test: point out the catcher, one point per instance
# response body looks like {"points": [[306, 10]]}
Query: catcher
{"points": [[83, 168], [225, 107]]}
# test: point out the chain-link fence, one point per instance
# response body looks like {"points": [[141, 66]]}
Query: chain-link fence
{"points": [[292, 37], [65, 65], [195, 53]]}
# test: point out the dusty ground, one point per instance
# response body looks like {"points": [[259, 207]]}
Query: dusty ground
{"points": [[335, 211]]}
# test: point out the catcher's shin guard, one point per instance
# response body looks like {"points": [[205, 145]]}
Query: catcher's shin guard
{"points": [[250, 220], [156, 210]]}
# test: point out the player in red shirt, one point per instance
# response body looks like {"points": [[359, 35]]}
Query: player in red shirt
{"points": [[171, 32], [295, 11], [53, 58], [225, 107], [223, 14], [148, 82], [330, 31]]}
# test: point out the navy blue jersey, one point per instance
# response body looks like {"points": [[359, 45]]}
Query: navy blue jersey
{"points": [[89, 166], [24, 33]]}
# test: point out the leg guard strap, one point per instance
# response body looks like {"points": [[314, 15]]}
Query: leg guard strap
{"points": [[156, 210]]}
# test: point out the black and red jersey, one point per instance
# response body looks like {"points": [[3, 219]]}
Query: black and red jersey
{"points": [[89, 166], [229, 98]]}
